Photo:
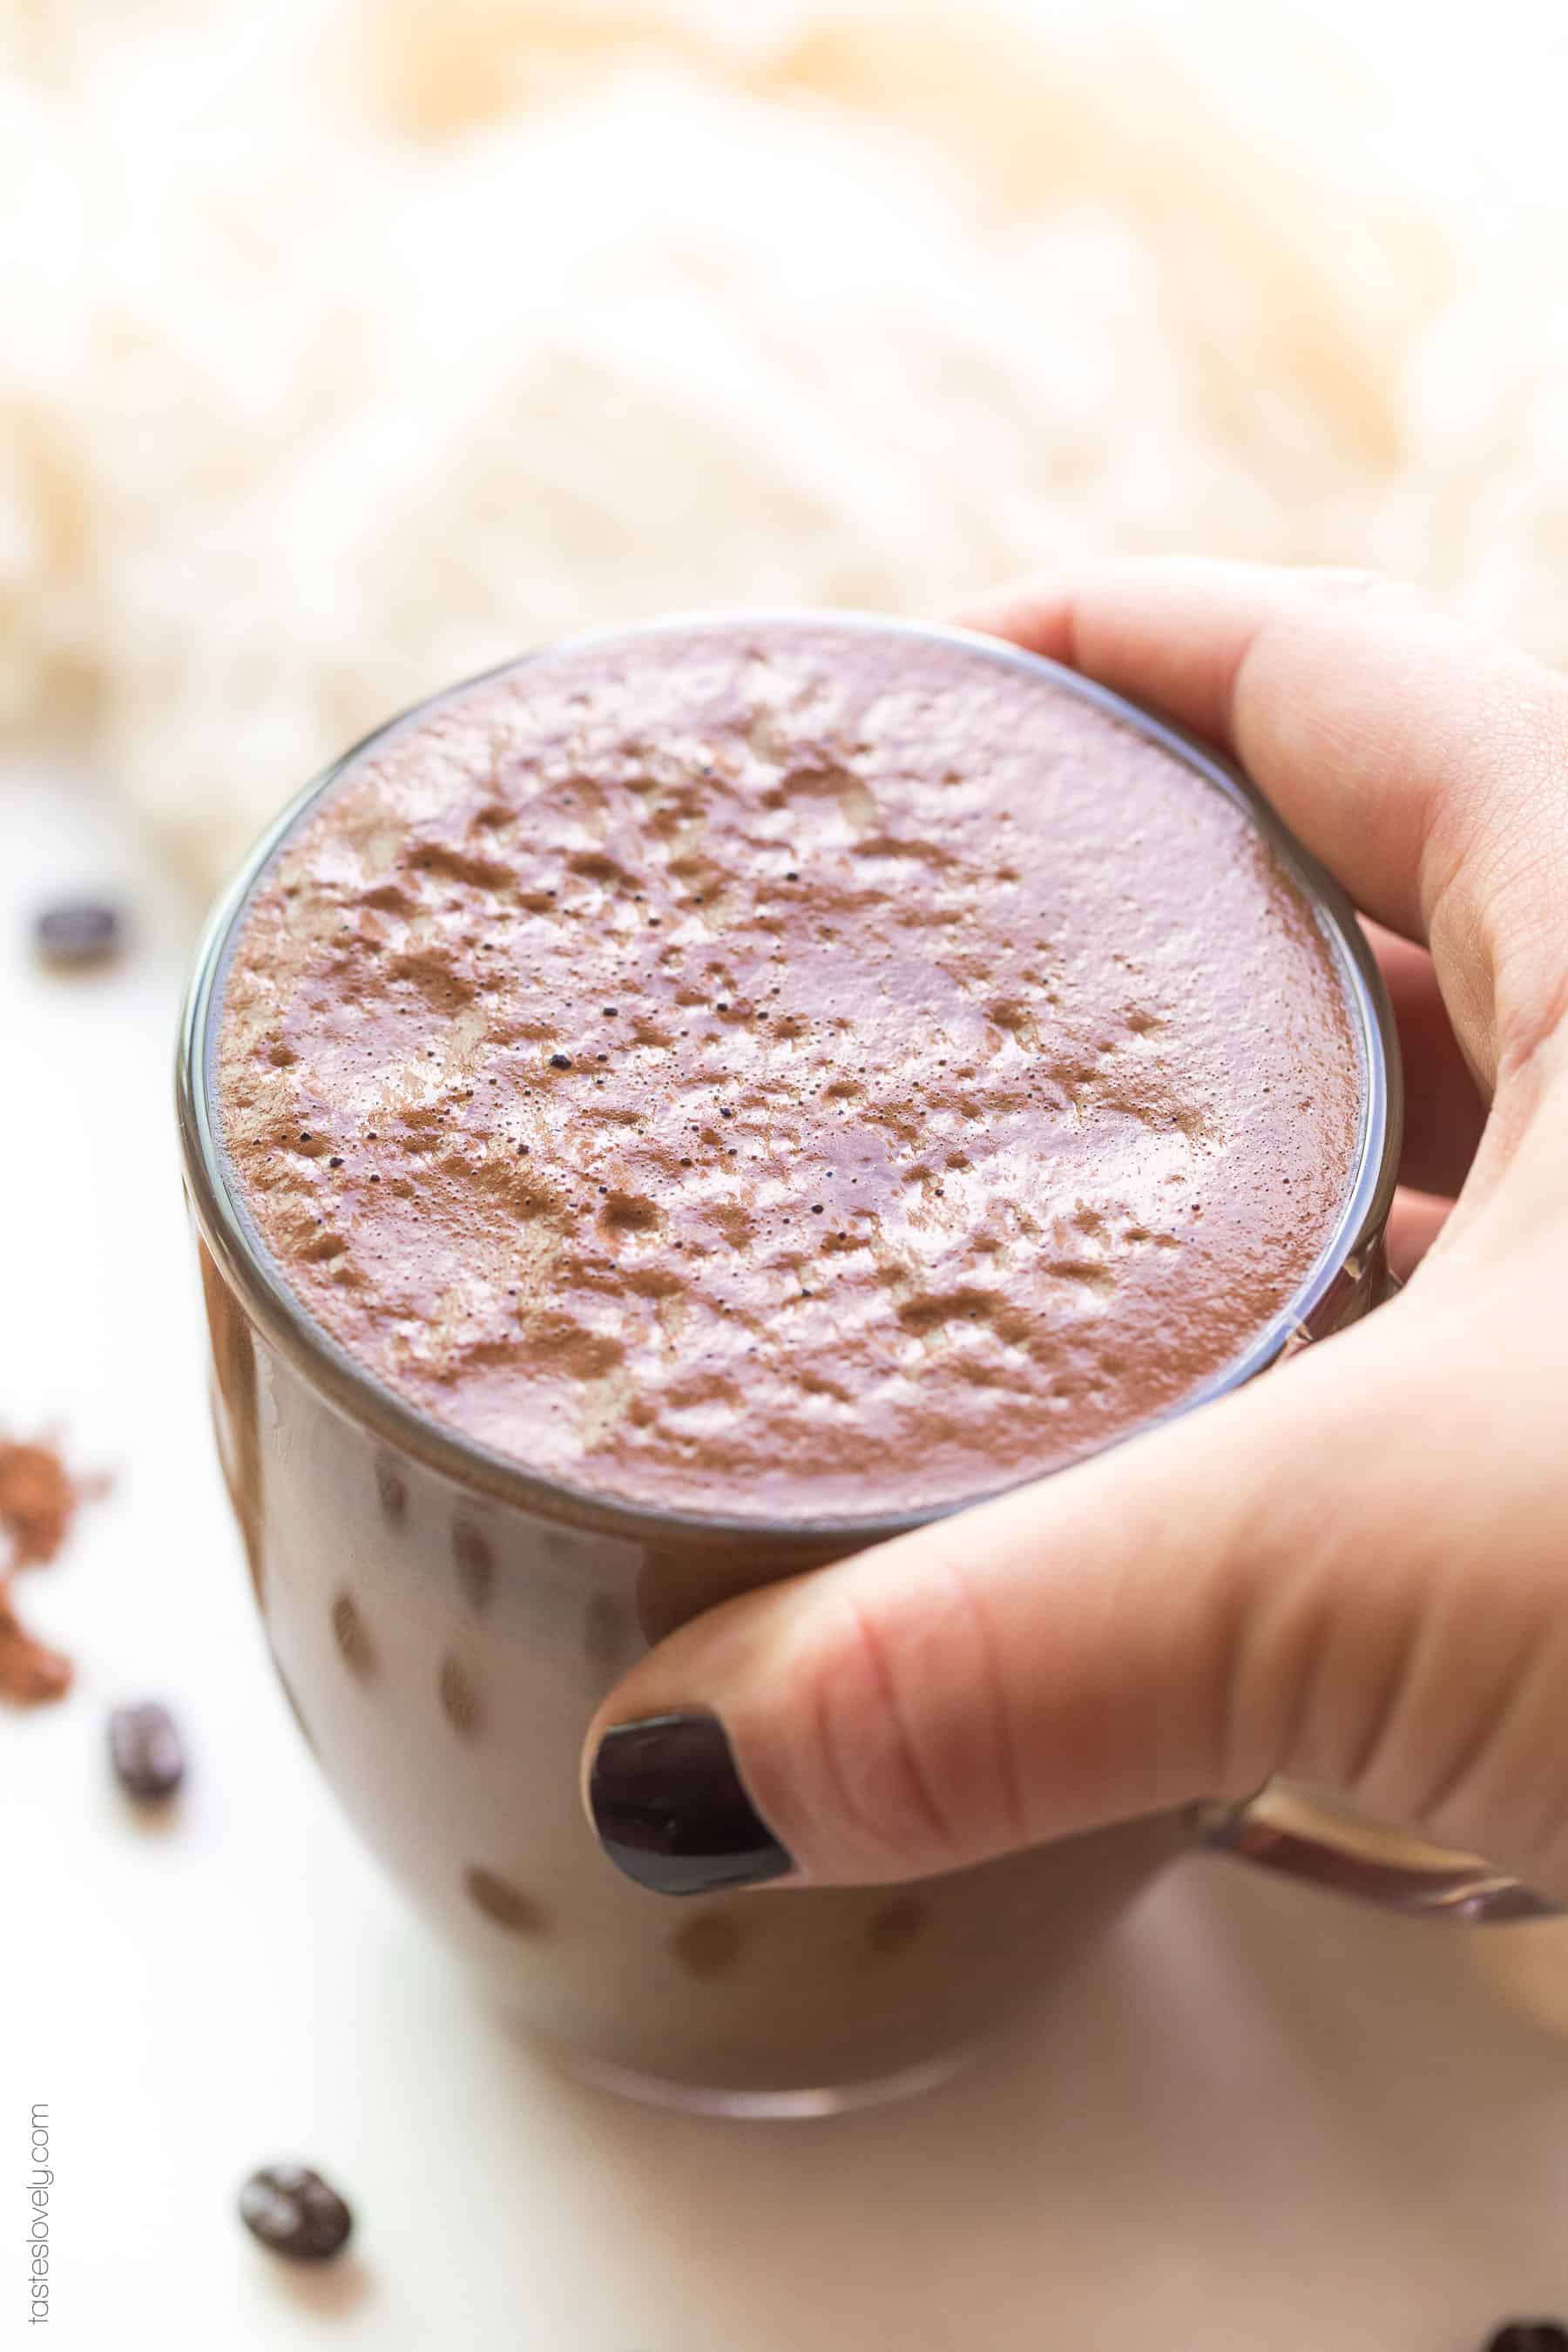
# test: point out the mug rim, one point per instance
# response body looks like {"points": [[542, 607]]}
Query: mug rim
{"points": [[259, 1285]]}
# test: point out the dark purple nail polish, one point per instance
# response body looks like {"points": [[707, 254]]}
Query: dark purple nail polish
{"points": [[670, 1812]]}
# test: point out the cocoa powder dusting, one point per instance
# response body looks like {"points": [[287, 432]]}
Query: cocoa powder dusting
{"points": [[30, 1674], [38, 1501]]}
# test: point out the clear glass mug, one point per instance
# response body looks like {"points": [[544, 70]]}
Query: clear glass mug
{"points": [[445, 1625]]}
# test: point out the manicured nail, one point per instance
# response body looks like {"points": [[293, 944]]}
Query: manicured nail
{"points": [[670, 1812]]}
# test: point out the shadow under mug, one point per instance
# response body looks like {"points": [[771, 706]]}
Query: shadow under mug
{"points": [[445, 1625]]}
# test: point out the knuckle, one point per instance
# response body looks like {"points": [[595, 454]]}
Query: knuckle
{"points": [[867, 1727], [998, 1777], [1314, 1617], [1463, 1742], [1494, 1782]]}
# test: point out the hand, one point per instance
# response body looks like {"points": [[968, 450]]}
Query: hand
{"points": [[1355, 1570]]}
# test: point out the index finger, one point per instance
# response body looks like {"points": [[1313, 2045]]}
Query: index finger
{"points": [[1416, 757]]}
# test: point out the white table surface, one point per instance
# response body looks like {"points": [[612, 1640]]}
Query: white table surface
{"points": [[1257, 2119]]}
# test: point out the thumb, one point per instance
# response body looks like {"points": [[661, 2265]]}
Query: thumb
{"points": [[1299, 1579]]}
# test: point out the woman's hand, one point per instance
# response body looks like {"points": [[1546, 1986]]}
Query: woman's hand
{"points": [[1353, 1571]]}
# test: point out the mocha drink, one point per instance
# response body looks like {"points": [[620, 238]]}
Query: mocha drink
{"points": [[679, 1107]]}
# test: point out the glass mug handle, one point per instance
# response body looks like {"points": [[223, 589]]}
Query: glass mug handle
{"points": [[1313, 1838]]}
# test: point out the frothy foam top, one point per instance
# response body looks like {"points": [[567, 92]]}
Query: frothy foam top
{"points": [[784, 1069]]}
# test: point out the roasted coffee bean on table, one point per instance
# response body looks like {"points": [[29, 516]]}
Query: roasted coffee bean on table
{"points": [[293, 2210], [76, 932], [145, 1750]]}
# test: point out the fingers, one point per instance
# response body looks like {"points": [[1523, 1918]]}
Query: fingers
{"points": [[1444, 1109], [1180, 1617], [1419, 760], [1350, 1571]]}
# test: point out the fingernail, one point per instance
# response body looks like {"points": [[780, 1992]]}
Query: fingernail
{"points": [[670, 1812]]}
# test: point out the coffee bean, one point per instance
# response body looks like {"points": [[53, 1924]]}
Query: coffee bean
{"points": [[292, 2210], [1529, 2335], [144, 1748], [76, 932]]}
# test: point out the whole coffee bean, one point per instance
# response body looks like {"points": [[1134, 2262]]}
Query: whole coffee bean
{"points": [[76, 932], [1529, 2335], [292, 2210], [144, 1748]]}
